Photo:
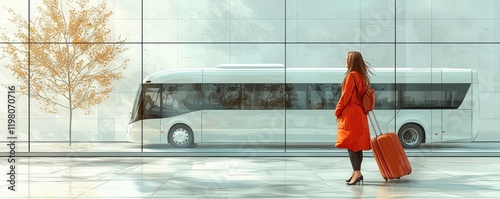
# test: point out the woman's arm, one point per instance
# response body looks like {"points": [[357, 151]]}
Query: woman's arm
{"points": [[347, 90]]}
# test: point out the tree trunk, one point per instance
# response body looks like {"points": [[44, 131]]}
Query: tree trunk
{"points": [[70, 121], [70, 110]]}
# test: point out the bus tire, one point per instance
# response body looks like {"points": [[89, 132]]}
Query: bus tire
{"points": [[180, 136], [411, 135]]}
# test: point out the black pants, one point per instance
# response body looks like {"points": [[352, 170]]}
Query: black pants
{"points": [[356, 159]]}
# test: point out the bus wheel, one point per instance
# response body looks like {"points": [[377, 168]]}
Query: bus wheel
{"points": [[410, 135], [180, 136]]}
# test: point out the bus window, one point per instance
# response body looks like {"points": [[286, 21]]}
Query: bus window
{"points": [[385, 96], [193, 96], [437, 96], [149, 103], [323, 96], [150, 107], [180, 98], [169, 102], [273, 96], [454, 94], [296, 97], [222, 96], [250, 96]]}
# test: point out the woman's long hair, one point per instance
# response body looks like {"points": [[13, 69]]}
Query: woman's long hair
{"points": [[356, 63]]}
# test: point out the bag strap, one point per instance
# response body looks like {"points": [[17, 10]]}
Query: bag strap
{"points": [[357, 91]]}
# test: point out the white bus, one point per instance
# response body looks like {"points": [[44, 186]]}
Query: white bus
{"points": [[273, 104]]}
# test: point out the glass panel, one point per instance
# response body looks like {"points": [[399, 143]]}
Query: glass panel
{"points": [[125, 21], [439, 85], [458, 93], [12, 9], [89, 112], [476, 22], [222, 113], [14, 73], [14, 117], [417, 116]]}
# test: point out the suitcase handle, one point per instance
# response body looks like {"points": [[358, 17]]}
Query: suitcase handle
{"points": [[370, 115]]}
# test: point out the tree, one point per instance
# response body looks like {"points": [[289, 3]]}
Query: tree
{"points": [[70, 56]]}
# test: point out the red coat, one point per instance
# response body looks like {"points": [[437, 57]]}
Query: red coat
{"points": [[353, 131]]}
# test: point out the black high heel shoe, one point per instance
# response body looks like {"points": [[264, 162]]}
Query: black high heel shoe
{"points": [[349, 180], [356, 181]]}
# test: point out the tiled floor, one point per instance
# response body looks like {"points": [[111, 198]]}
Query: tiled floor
{"points": [[246, 177]]}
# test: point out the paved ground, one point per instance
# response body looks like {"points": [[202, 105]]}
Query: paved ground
{"points": [[246, 177]]}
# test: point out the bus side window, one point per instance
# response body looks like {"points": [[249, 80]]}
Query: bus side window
{"points": [[222, 96], [296, 96], [385, 96], [193, 97], [168, 101], [323, 96]]}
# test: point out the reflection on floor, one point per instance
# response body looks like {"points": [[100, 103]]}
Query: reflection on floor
{"points": [[245, 177], [250, 147]]}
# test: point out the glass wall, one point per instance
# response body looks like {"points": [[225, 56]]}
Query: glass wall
{"points": [[245, 76], [14, 112]]}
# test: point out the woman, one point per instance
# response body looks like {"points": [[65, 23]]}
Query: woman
{"points": [[353, 132]]}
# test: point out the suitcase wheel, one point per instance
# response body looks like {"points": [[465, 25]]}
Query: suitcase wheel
{"points": [[385, 179]]}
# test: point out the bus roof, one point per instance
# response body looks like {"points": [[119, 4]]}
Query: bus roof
{"points": [[278, 74]]}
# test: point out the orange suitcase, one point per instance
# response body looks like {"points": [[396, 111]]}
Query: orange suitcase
{"points": [[389, 153]]}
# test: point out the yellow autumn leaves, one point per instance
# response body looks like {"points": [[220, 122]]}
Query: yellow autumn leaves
{"points": [[71, 57]]}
